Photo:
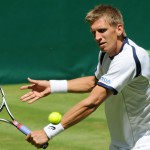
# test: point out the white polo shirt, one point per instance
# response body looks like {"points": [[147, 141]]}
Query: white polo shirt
{"points": [[128, 76]]}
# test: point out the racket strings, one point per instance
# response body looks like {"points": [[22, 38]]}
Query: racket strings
{"points": [[1, 104], [4, 115]]}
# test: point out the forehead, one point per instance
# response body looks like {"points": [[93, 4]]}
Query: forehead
{"points": [[100, 23]]}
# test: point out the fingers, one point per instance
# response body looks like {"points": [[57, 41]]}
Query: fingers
{"points": [[33, 140], [28, 138], [33, 100], [27, 96], [29, 86], [32, 81], [37, 138], [30, 97], [39, 88]]}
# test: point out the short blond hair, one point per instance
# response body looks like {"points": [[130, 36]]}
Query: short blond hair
{"points": [[112, 15]]}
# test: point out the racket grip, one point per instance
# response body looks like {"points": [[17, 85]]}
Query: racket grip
{"points": [[24, 129], [27, 131]]}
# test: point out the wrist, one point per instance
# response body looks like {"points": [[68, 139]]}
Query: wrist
{"points": [[52, 130], [58, 86]]}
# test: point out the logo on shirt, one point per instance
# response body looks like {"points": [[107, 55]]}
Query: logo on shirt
{"points": [[105, 80]]}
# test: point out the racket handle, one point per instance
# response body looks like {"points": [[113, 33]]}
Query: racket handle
{"points": [[27, 131], [24, 129]]}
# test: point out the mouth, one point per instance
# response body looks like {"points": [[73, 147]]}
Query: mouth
{"points": [[102, 44]]}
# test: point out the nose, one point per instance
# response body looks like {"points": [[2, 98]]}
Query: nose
{"points": [[98, 36]]}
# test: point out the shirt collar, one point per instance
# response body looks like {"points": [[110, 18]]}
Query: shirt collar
{"points": [[124, 42]]}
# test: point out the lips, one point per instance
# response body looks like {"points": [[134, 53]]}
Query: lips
{"points": [[102, 43]]}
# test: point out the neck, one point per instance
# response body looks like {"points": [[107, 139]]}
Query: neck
{"points": [[118, 47]]}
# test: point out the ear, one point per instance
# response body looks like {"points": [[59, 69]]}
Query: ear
{"points": [[119, 29]]}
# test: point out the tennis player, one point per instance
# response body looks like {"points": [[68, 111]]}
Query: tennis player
{"points": [[121, 80]]}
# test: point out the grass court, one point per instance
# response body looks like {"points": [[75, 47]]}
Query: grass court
{"points": [[90, 134]]}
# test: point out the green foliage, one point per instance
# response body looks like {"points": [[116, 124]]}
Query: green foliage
{"points": [[90, 134]]}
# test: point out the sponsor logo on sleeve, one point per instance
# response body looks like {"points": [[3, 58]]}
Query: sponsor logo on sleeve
{"points": [[105, 80]]}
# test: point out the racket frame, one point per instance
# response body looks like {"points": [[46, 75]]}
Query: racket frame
{"points": [[15, 123]]}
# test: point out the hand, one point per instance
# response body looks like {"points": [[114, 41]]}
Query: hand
{"points": [[40, 88], [37, 138]]}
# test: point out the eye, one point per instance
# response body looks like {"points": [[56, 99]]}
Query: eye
{"points": [[102, 30]]}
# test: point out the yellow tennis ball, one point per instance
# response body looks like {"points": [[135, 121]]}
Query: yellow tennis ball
{"points": [[54, 117]]}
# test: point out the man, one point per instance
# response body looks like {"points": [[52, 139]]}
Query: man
{"points": [[122, 80]]}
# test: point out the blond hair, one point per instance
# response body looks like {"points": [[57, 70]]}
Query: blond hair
{"points": [[112, 15]]}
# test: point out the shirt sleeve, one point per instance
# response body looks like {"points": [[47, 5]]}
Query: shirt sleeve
{"points": [[121, 72]]}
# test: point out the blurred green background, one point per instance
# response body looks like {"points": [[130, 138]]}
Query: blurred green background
{"points": [[49, 39], [45, 39]]}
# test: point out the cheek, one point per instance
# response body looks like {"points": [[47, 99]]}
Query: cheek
{"points": [[112, 42], [112, 37]]}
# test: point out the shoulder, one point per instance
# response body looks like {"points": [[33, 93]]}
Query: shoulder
{"points": [[134, 56], [131, 50], [138, 51]]}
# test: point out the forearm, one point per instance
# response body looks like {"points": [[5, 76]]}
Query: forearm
{"points": [[76, 114], [85, 107], [79, 111]]}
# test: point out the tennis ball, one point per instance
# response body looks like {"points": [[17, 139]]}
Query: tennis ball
{"points": [[54, 117]]}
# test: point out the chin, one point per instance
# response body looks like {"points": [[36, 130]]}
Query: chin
{"points": [[103, 50]]}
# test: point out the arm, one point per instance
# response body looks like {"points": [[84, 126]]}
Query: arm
{"points": [[74, 115], [85, 107], [82, 85], [41, 88]]}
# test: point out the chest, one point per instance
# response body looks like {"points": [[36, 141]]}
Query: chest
{"points": [[105, 65]]}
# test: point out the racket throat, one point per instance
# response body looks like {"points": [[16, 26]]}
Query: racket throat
{"points": [[17, 124]]}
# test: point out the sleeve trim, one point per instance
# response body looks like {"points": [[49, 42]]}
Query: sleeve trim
{"points": [[108, 87]]}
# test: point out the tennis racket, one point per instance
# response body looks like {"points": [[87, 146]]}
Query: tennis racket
{"points": [[15, 123]]}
